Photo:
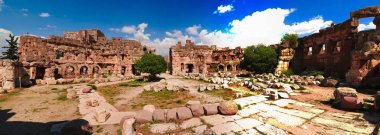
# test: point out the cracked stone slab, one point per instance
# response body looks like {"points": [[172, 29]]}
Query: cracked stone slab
{"points": [[270, 130], [298, 113], [248, 111], [248, 123], [350, 127], [265, 107], [250, 132], [193, 122], [226, 128], [216, 119], [200, 129], [283, 118], [163, 128]]}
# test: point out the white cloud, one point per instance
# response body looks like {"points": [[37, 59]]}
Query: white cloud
{"points": [[224, 9], [44, 15], [193, 30], [266, 27], [48, 27], [370, 25], [4, 34], [128, 29], [1, 4], [24, 11]]}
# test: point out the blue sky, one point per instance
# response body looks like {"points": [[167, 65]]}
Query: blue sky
{"points": [[164, 22]]}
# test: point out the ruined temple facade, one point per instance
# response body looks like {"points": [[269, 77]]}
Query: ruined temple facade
{"points": [[203, 59], [342, 51], [83, 54]]}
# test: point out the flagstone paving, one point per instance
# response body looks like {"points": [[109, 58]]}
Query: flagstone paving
{"points": [[261, 116]]}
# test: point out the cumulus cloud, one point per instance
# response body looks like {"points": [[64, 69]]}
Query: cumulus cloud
{"points": [[224, 9], [266, 27], [4, 34], [193, 30], [44, 15], [370, 25]]}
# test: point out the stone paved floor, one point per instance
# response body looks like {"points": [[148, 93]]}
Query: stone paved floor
{"points": [[260, 116]]}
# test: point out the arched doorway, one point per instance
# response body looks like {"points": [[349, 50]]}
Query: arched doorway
{"points": [[229, 68], [220, 68], [70, 71], [57, 75], [83, 70]]}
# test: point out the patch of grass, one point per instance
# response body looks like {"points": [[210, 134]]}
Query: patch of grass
{"points": [[92, 86], [163, 99], [301, 88], [369, 100], [239, 107], [124, 84], [226, 94], [38, 109], [13, 93], [179, 101], [99, 130], [332, 102], [62, 97], [119, 132], [54, 88], [109, 92]]}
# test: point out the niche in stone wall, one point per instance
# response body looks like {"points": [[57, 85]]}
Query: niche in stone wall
{"points": [[229, 68], [323, 49], [221, 68], [310, 51], [337, 47], [59, 54]]}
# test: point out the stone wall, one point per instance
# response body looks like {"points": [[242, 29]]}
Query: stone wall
{"points": [[202, 59], [11, 73], [83, 54], [341, 51]]}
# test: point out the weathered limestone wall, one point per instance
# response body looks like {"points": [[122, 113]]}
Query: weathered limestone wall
{"points": [[190, 58], [202, 59], [83, 54], [11, 73], [342, 51]]}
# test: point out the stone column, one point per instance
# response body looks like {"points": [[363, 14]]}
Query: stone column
{"points": [[376, 21]]}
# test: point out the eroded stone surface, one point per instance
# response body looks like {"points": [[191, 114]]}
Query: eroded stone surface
{"points": [[163, 127], [226, 128], [216, 119], [193, 122]]}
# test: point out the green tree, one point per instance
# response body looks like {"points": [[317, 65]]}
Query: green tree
{"points": [[12, 48], [152, 64], [259, 59], [291, 38]]}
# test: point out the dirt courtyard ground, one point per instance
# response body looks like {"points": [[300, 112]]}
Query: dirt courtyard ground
{"points": [[33, 110]]}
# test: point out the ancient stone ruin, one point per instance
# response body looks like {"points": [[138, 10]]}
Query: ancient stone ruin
{"points": [[83, 54], [341, 51], [202, 59]]}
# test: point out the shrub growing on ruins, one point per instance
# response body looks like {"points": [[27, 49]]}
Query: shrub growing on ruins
{"points": [[288, 72], [152, 64], [291, 38], [259, 59], [12, 48]]}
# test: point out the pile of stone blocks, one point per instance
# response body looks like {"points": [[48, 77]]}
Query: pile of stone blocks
{"points": [[347, 97], [191, 110]]}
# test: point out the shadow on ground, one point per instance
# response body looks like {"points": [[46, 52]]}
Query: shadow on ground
{"points": [[22, 127]]}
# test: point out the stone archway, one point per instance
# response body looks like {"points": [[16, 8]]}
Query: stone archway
{"points": [[220, 68], [57, 74], [83, 70], [229, 68], [69, 71]]}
